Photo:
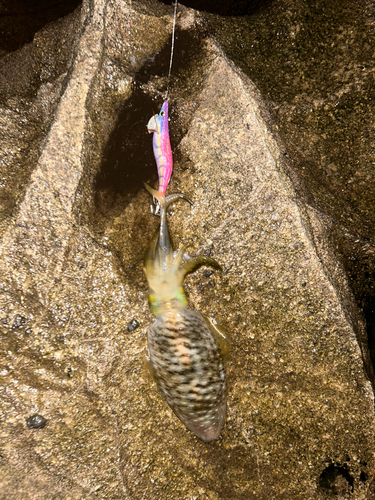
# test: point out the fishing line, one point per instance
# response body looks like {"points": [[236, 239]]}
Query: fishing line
{"points": [[172, 47]]}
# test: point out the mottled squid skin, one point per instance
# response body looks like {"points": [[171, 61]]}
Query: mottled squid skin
{"points": [[183, 347], [158, 124]]}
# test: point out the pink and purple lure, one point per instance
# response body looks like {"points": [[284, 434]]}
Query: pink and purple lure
{"points": [[158, 124]]}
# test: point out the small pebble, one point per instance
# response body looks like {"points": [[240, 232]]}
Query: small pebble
{"points": [[208, 251], [19, 321], [132, 266], [133, 325], [36, 422], [207, 273]]}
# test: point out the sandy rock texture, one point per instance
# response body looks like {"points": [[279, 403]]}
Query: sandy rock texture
{"points": [[75, 222]]}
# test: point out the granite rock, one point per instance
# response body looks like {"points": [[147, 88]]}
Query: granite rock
{"points": [[300, 401]]}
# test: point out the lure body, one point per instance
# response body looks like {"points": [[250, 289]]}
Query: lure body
{"points": [[183, 348], [158, 124]]}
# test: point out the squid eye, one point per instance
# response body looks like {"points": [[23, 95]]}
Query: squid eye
{"points": [[162, 113]]}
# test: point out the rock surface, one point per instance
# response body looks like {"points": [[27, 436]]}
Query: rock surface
{"points": [[300, 402]]}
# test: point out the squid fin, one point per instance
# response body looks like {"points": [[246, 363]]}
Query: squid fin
{"points": [[221, 335]]}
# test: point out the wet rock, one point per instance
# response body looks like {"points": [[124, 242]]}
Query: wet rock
{"points": [[31, 81], [296, 355], [321, 98], [299, 398], [54, 273], [19, 22]]}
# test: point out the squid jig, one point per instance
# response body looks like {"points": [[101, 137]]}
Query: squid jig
{"points": [[158, 125]]}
